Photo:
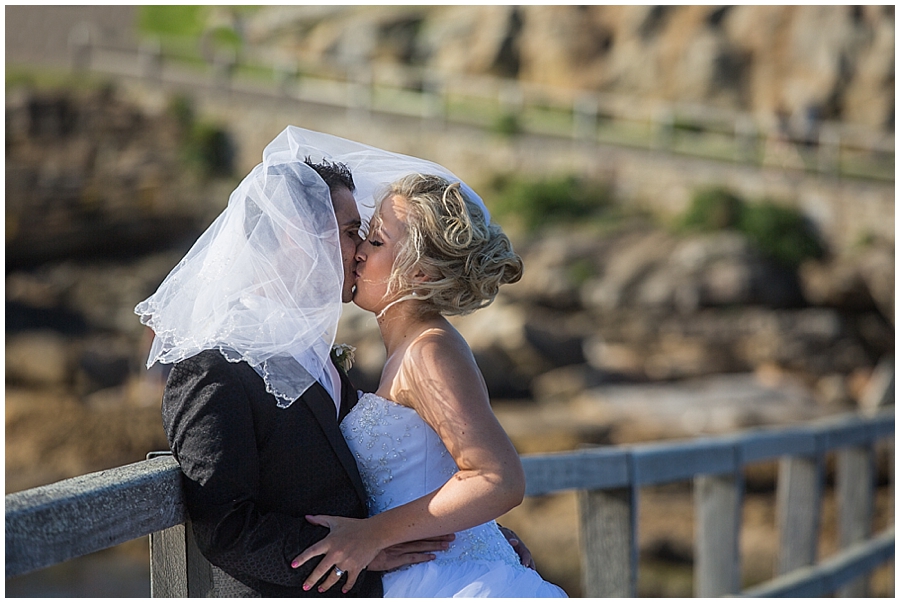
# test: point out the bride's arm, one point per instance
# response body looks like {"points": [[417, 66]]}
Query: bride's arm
{"points": [[440, 379]]}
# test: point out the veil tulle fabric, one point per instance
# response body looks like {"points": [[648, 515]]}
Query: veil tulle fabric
{"points": [[373, 169], [263, 283]]}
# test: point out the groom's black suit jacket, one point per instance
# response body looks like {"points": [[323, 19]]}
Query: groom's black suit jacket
{"points": [[252, 471]]}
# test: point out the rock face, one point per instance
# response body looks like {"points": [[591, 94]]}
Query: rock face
{"points": [[99, 207], [827, 62], [90, 175]]}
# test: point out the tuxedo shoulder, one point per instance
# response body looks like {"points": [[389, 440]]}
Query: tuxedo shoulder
{"points": [[211, 363], [206, 359]]}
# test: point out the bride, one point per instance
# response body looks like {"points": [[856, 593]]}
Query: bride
{"points": [[432, 455]]}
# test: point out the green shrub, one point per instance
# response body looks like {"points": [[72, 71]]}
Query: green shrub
{"points": [[535, 203], [210, 149], [206, 147], [182, 109], [507, 124], [712, 209], [780, 232]]}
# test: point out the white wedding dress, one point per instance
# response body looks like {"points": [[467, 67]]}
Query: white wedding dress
{"points": [[401, 458]]}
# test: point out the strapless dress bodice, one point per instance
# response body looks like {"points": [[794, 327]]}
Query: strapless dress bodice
{"points": [[401, 458]]}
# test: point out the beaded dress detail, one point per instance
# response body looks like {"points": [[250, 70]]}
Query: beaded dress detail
{"points": [[400, 459]]}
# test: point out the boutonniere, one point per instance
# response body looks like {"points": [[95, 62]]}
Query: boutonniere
{"points": [[343, 356]]}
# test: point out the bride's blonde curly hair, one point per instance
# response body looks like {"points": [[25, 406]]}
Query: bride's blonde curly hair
{"points": [[464, 259]]}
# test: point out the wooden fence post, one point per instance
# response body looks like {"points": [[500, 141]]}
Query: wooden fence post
{"points": [[829, 149], [798, 510], [360, 92], [150, 58], [717, 500], [434, 106], [177, 567], [81, 39], [609, 543], [168, 563], [746, 140], [584, 118], [662, 129], [855, 484]]}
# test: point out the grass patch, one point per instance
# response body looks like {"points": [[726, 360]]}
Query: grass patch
{"points": [[186, 32], [173, 20], [43, 79]]}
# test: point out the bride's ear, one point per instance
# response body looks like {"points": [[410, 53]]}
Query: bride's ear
{"points": [[420, 276]]}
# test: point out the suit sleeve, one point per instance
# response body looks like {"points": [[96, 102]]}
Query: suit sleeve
{"points": [[209, 423]]}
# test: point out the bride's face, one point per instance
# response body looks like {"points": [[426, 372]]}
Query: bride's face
{"points": [[375, 255]]}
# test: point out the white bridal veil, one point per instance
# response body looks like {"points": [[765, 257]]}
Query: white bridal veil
{"points": [[373, 169], [263, 283]]}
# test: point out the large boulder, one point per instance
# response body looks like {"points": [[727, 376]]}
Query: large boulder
{"points": [[627, 264], [556, 267], [860, 280], [498, 336], [719, 269], [654, 270], [39, 358], [878, 268]]}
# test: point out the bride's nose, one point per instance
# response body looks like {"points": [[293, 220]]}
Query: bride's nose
{"points": [[360, 255]]}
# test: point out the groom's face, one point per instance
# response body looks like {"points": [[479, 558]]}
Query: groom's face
{"points": [[348, 224]]}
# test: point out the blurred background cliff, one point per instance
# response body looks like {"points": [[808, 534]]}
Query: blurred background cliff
{"points": [[703, 197]]}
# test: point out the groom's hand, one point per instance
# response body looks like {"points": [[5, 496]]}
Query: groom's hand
{"points": [[406, 553], [519, 547]]}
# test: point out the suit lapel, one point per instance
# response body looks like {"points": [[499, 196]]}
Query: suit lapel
{"points": [[322, 406], [349, 397]]}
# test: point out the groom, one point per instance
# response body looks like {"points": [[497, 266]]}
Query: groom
{"points": [[252, 470]]}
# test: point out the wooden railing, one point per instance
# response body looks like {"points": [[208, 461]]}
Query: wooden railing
{"points": [[51, 524], [609, 480]]}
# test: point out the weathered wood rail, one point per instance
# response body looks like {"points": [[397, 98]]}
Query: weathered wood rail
{"points": [[51, 524]]}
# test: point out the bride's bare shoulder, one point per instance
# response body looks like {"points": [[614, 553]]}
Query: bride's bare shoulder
{"points": [[440, 341], [440, 355]]}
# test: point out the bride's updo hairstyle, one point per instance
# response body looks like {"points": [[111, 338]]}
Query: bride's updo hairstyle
{"points": [[464, 258]]}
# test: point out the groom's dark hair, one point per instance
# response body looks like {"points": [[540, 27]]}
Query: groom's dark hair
{"points": [[333, 173]]}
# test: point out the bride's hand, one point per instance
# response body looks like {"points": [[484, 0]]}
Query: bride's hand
{"points": [[347, 547]]}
